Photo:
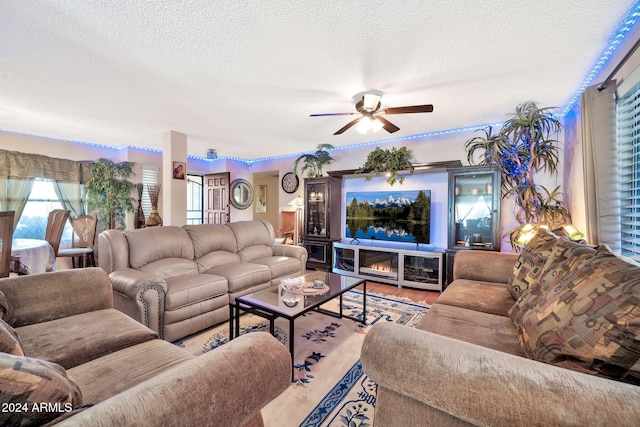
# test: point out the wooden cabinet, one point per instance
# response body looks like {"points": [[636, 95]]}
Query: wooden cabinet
{"points": [[474, 211], [322, 205]]}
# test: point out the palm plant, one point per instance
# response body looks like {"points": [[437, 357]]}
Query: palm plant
{"points": [[109, 192], [313, 163], [523, 147]]}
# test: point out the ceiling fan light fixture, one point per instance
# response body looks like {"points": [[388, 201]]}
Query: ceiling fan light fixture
{"points": [[370, 101], [364, 126], [376, 125]]}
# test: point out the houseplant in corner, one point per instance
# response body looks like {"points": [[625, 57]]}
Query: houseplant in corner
{"points": [[109, 192], [313, 163], [388, 162], [523, 147]]}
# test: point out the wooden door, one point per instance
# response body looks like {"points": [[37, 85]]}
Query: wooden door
{"points": [[216, 209]]}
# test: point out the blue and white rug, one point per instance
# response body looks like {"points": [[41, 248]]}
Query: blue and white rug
{"points": [[330, 387]]}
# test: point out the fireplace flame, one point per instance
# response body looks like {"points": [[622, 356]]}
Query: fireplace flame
{"points": [[381, 267]]}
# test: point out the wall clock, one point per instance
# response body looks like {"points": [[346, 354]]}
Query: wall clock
{"points": [[290, 182]]}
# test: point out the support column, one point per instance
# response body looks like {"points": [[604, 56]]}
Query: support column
{"points": [[174, 190]]}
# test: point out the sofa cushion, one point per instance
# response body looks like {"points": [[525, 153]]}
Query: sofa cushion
{"points": [[208, 238], [529, 265], [27, 383], [244, 275], [151, 244], [485, 329], [249, 233], [190, 289], [73, 340], [566, 257], [487, 297], [254, 252], [592, 316], [9, 340], [216, 259], [171, 267], [280, 266], [126, 368]]}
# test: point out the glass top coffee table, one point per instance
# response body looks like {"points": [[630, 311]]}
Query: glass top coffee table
{"points": [[274, 302]]}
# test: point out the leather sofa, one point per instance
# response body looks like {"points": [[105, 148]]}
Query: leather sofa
{"points": [[67, 357], [180, 280], [478, 356]]}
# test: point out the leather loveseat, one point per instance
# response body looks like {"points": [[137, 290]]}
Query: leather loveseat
{"points": [[546, 338], [67, 357], [180, 280]]}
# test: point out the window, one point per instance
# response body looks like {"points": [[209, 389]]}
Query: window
{"points": [[194, 199], [33, 222], [628, 120], [149, 177]]}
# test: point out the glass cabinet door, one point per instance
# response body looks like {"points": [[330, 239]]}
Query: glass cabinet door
{"points": [[316, 209], [474, 208]]}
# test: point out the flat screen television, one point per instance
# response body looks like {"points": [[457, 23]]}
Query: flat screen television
{"points": [[401, 216]]}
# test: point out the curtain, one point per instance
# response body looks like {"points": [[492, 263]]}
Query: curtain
{"points": [[18, 165], [70, 195], [601, 183], [13, 196], [20, 169]]}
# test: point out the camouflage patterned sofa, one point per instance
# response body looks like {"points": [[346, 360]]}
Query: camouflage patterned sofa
{"points": [[547, 337], [67, 357]]}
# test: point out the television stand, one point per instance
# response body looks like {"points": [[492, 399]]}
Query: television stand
{"points": [[401, 264]]}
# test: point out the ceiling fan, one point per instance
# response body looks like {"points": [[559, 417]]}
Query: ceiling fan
{"points": [[369, 108]]}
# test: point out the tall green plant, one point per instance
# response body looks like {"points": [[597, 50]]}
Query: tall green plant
{"points": [[313, 163], [524, 146], [109, 192]]}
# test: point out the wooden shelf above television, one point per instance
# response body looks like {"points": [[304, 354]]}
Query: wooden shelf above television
{"points": [[417, 168]]}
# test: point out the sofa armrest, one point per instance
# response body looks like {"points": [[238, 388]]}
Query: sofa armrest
{"points": [[484, 266], [487, 387], [43, 297], [227, 386], [140, 295], [130, 282], [291, 251]]}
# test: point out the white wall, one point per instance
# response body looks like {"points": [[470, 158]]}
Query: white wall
{"points": [[445, 147]]}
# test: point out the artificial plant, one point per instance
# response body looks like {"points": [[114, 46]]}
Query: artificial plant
{"points": [[313, 163], [524, 146], [109, 192], [389, 162]]}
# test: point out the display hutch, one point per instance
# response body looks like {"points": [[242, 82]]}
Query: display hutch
{"points": [[474, 211], [322, 213]]}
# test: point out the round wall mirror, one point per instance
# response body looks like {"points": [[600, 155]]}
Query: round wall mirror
{"points": [[241, 193]]}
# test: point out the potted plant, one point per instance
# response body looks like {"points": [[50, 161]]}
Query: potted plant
{"points": [[109, 192], [313, 163], [389, 162], [523, 147]]}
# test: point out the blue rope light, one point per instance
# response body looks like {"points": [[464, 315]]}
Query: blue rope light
{"points": [[623, 29]]}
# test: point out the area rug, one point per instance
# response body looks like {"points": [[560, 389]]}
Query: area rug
{"points": [[329, 387]]}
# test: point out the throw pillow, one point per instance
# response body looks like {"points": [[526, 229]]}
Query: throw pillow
{"points": [[591, 317], [565, 257], [34, 391], [529, 264], [9, 340]]}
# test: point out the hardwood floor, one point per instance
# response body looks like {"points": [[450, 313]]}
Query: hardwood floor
{"points": [[415, 295]]}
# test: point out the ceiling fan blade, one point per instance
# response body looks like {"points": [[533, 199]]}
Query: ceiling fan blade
{"points": [[331, 114], [428, 108], [348, 125], [387, 125]]}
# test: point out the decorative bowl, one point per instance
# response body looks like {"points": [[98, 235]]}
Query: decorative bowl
{"points": [[292, 283]]}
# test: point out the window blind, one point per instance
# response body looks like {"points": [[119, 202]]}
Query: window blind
{"points": [[149, 177], [628, 142]]}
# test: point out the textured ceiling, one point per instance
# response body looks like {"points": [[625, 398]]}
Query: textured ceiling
{"points": [[243, 76]]}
